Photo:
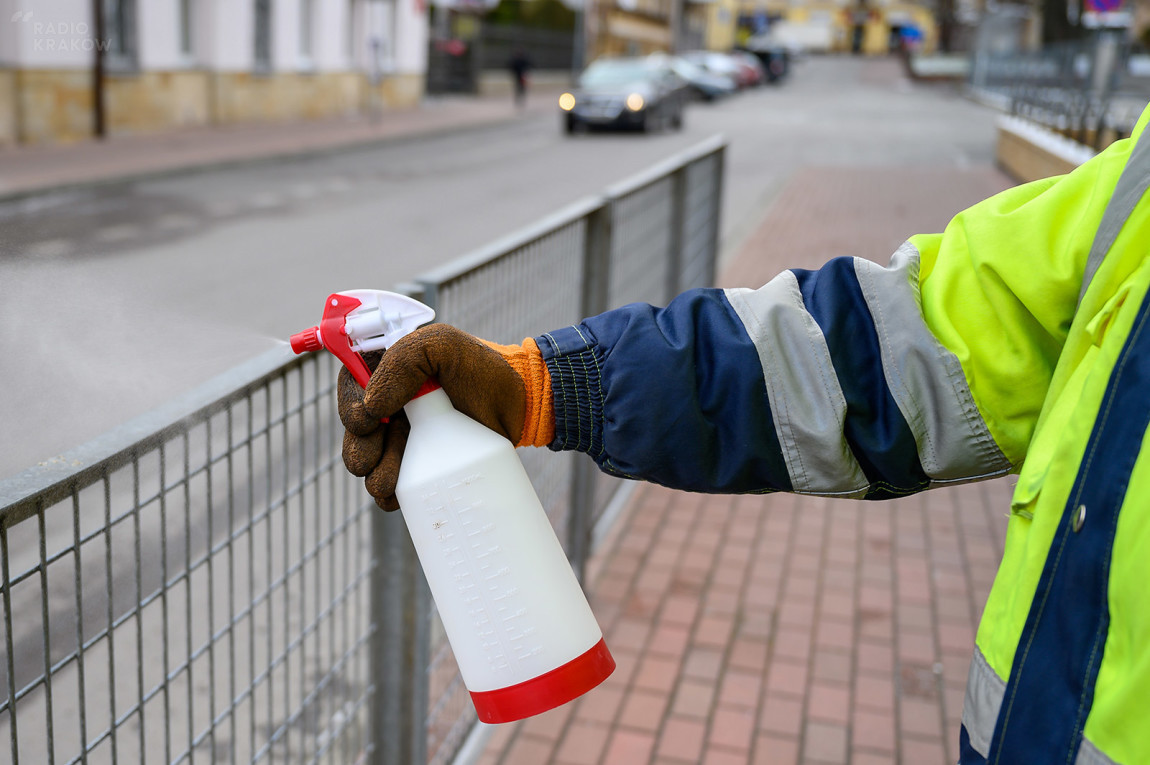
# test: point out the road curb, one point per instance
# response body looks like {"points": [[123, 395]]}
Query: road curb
{"points": [[193, 168]]}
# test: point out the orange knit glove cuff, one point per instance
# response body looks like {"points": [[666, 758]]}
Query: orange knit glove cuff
{"points": [[539, 414]]}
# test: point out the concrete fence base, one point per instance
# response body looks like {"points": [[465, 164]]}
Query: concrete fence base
{"points": [[1028, 152]]}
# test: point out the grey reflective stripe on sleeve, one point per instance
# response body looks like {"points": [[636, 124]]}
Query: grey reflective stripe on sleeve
{"points": [[925, 379], [1088, 754], [984, 693], [1132, 185], [806, 401]]}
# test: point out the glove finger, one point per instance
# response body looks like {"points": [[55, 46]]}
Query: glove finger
{"points": [[404, 368], [362, 453], [349, 396], [476, 378], [381, 482]]}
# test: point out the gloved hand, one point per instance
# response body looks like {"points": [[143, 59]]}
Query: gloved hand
{"points": [[505, 387]]}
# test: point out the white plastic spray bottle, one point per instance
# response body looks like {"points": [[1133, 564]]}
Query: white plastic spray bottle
{"points": [[520, 626]]}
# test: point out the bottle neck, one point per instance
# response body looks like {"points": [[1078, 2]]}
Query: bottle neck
{"points": [[427, 404]]}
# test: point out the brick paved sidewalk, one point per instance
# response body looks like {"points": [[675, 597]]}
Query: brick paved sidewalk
{"points": [[783, 629], [30, 169]]}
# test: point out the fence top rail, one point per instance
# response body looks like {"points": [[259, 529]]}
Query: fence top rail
{"points": [[568, 215], [668, 166], [52, 480], [530, 233]]}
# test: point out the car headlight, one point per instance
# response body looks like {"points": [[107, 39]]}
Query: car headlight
{"points": [[566, 102], [635, 102]]}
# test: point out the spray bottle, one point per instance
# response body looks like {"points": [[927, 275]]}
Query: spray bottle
{"points": [[518, 622]]}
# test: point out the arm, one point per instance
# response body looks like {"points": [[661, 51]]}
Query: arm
{"points": [[853, 380]]}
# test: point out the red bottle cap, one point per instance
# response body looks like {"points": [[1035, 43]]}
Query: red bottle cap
{"points": [[549, 690]]}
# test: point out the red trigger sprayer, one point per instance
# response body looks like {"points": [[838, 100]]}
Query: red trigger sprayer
{"points": [[362, 320], [518, 622]]}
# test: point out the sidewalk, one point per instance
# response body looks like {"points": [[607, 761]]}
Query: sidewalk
{"points": [[30, 169], [772, 630]]}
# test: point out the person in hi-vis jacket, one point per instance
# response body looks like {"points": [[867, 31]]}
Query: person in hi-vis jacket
{"points": [[1016, 341]]}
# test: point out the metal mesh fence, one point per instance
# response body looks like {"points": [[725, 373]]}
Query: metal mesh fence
{"points": [[207, 583], [201, 595], [1091, 90], [640, 242]]}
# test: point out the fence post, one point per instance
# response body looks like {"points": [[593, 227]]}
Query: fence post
{"points": [[401, 636], [675, 240], [711, 271], [399, 651], [593, 300]]}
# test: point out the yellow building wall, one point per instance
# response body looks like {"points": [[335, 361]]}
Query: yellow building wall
{"points": [[837, 14], [247, 97], [7, 107], [722, 18], [631, 34], [150, 101], [55, 106]]}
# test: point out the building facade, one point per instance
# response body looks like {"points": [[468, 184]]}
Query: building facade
{"points": [[873, 27], [870, 27], [176, 63], [631, 27]]}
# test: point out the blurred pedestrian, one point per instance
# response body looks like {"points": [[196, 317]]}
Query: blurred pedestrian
{"points": [[1016, 341], [519, 65]]}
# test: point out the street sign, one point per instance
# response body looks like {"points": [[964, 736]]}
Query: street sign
{"points": [[1105, 13]]}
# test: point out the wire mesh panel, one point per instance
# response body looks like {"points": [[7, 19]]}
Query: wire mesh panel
{"points": [[640, 245], [527, 291], [700, 222], [202, 596]]}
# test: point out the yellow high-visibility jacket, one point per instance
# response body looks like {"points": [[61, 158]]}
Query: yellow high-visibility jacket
{"points": [[1015, 341]]}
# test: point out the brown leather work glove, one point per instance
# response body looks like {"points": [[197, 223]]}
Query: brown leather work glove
{"points": [[505, 387]]}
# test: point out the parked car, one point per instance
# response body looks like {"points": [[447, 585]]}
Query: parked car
{"points": [[755, 72], [774, 56], [720, 63], [642, 93], [702, 83]]}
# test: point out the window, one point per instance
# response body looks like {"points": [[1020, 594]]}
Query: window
{"points": [[187, 36], [349, 42], [306, 26], [120, 32], [262, 42]]}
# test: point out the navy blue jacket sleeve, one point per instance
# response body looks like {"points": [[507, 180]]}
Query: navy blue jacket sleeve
{"points": [[671, 395], [819, 382]]}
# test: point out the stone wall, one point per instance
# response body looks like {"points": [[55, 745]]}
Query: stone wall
{"points": [[7, 107], [152, 101], [54, 106], [402, 91], [245, 97]]}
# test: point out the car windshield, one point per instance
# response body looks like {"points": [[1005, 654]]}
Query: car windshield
{"points": [[615, 73], [683, 67]]}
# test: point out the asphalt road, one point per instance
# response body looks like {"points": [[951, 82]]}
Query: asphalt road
{"points": [[114, 300]]}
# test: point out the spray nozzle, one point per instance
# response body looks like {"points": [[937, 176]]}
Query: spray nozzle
{"points": [[356, 321]]}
